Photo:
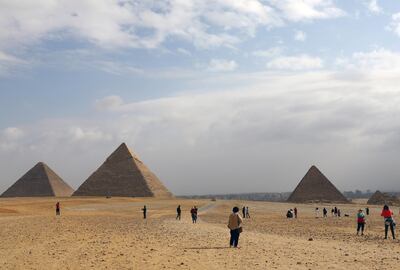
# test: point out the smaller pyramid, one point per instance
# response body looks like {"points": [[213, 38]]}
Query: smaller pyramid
{"points": [[383, 198], [123, 174], [40, 181], [315, 187]]}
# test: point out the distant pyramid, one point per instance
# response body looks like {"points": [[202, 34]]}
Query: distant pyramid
{"points": [[40, 181], [316, 187], [383, 198], [123, 174]]}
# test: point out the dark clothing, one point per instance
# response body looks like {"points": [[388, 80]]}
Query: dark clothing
{"points": [[234, 238], [144, 212], [244, 212], [367, 211], [178, 212], [57, 208], [194, 215], [295, 212], [360, 226], [391, 225], [325, 212]]}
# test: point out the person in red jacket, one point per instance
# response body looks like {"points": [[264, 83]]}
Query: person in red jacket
{"points": [[387, 215]]}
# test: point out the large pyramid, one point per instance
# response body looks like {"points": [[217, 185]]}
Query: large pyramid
{"points": [[123, 174], [316, 187], [40, 181], [383, 198]]}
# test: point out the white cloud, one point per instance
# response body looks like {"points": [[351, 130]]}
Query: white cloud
{"points": [[13, 133], [373, 6], [376, 60], [300, 36], [395, 24], [217, 65], [9, 63], [271, 52], [295, 10], [108, 103], [116, 24], [300, 62]]}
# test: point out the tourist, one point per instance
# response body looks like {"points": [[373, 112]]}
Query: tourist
{"points": [[178, 212], [295, 212], [58, 209], [235, 226], [193, 213], [360, 222], [244, 211], [325, 212], [335, 211], [338, 212], [144, 209], [332, 212], [289, 213], [316, 212], [367, 211], [387, 215], [247, 212]]}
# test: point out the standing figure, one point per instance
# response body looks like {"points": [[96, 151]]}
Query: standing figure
{"points": [[325, 212], [235, 227], [338, 212], [295, 212], [193, 213], [144, 209], [335, 211], [360, 222], [247, 212], [178, 212], [58, 209], [244, 211], [367, 211], [387, 215], [316, 212]]}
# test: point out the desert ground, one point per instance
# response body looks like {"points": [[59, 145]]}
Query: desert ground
{"points": [[100, 233]]}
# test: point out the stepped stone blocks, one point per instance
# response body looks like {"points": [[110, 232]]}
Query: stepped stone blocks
{"points": [[315, 187], [383, 198], [123, 174], [40, 181]]}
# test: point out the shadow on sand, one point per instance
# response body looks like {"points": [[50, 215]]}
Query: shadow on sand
{"points": [[207, 248]]}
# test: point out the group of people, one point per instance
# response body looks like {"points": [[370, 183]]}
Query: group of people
{"points": [[291, 213], [245, 212]]}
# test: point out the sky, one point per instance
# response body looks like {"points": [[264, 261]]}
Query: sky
{"points": [[215, 96]]}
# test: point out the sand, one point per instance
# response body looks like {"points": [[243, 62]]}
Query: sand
{"points": [[100, 233]]}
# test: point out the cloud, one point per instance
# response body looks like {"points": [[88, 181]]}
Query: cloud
{"points": [[218, 65], [306, 10], [379, 59], [271, 52], [8, 63], [113, 24], [300, 62], [394, 26], [373, 6], [108, 103], [300, 36]]}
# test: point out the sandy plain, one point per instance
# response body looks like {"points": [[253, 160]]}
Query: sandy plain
{"points": [[100, 233]]}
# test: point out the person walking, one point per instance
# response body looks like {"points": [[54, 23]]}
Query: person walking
{"points": [[58, 212], [247, 212], [178, 212], [235, 227], [335, 211], [144, 209], [387, 215], [367, 211], [193, 213], [244, 211], [295, 212], [325, 212], [360, 222]]}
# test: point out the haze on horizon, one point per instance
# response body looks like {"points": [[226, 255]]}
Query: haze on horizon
{"points": [[215, 96]]}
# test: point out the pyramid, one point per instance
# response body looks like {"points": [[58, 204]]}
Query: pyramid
{"points": [[123, 174], [383, 198], [40, 181], [316, 187]]}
